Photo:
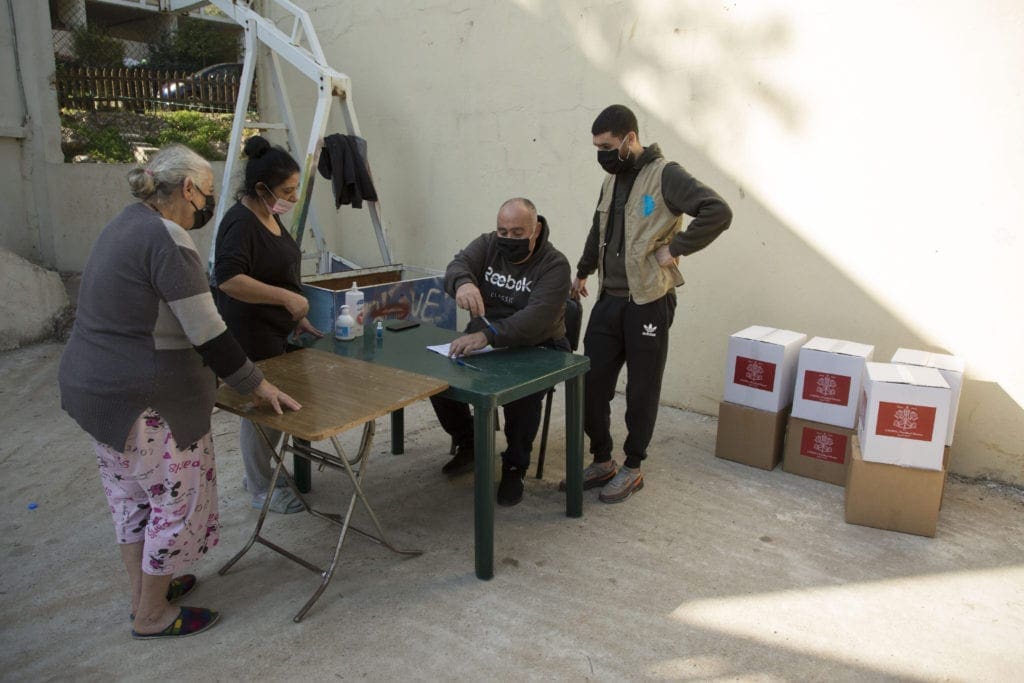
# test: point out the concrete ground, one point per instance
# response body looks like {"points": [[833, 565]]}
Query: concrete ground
{"points": [[715, 571]]}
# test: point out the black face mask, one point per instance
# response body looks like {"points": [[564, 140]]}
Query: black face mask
{"points": [[612, 162], [201, 217], [512, 249]]}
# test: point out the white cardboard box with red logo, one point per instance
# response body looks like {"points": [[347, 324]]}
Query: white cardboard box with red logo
{"points": [[950, 367], [828, 379], [761, 368], [904, 413]]}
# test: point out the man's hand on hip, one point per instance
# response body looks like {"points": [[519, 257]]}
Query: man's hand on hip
{"points": [[665, 257], [467, 296]]}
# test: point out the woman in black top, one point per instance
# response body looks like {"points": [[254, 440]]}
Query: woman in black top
{"points": [[258, 290]]}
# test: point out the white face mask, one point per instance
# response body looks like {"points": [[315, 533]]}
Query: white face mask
{"points": [[280, 206]]}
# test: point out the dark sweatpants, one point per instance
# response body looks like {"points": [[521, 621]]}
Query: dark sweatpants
{"points": [[622, 332], [522, 420]]}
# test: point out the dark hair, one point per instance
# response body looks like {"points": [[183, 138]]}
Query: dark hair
{"points": [[270, 165], [617, 120]]}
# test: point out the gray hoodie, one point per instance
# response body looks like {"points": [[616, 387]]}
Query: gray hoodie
{"points": [[524, 301]]}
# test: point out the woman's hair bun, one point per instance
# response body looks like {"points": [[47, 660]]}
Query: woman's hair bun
{"points": [[256, 146], [141, 182]]}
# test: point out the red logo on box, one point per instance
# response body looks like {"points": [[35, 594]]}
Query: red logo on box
{"points": [[758, 374], [905, 421], [825, 387], [821, 445]]}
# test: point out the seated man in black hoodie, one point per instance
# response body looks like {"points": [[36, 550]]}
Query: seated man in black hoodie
{"points": [[519, 282]]}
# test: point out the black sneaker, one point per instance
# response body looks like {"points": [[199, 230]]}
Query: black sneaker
{"points": [[510, 489], [460, 464]]}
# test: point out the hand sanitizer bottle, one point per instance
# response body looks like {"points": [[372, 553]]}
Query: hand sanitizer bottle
{"points": [[344, 327], [354, 301]]}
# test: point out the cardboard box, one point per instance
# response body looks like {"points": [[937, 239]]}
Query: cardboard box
{"points": [[817, 450], [945, 473], [828, 379], [905, 499], [389, 292], [950, 367], [761, 367], [904, 415], [750, 436]]}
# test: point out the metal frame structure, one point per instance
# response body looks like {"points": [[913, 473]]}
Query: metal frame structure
{"points": [[301, 49], [355, 468]]}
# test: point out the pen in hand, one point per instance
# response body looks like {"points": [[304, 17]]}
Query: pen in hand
{"points": [[489, 325]]}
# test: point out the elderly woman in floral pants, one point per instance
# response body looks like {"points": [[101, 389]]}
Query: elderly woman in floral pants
{"points": [[138, 376]]}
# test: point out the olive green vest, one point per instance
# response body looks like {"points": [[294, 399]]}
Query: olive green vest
{"points": [[649, 224]]}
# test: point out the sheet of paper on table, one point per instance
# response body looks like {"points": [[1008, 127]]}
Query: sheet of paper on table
{"points": [[443, 349]]}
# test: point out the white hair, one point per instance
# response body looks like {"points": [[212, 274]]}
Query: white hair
{"points": [[166, 172]]}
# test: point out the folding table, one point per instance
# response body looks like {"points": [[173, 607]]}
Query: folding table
{"points": [[337, 394], [504, 376]]}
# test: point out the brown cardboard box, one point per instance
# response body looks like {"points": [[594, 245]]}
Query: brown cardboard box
{"points": [[750, 436], [818, 451], [891, 497], [945, 473]]}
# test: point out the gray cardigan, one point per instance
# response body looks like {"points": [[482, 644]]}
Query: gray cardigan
{"points": [[144, 310]]}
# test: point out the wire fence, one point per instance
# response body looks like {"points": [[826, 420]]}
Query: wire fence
{"points": [[130, 79]]}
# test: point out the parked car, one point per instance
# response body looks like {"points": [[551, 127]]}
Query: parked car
{"points": [[213, 87]]}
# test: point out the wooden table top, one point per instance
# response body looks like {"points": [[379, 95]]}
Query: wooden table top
{"points": [[336, 393]]}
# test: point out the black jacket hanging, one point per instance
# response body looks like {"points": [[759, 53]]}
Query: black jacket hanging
{"points": [[343, 161]]}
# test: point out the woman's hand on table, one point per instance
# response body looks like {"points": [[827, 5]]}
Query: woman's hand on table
{"points": [[306, 327], [296, 304], [267, 393]]}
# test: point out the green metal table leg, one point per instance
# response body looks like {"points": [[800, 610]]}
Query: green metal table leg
{"points": [[574, 446], [398, 431], [483, 493], [301, 471]]}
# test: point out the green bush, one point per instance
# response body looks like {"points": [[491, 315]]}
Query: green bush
{"points": [[194, 45], [93, 47], [100, 144], [105, 136], [207, 134]]}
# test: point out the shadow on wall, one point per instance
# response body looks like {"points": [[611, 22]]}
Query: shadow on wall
{"points": [[760, 271], [682, 61]]}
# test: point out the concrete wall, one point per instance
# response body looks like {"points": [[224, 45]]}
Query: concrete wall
{"points": [[13, 117], [869, 152], [89, 196]]}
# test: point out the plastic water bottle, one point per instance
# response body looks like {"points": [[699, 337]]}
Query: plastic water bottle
{"points": [[354, 301], [344, 328], [380, 330]]}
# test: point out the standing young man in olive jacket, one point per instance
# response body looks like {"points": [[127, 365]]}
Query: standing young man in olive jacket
{"points": [[516, 279], [635, 243]]}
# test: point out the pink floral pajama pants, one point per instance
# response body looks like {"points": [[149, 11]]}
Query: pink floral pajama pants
{"points": [[162, 495]]}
